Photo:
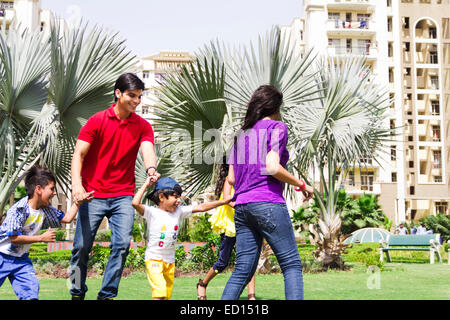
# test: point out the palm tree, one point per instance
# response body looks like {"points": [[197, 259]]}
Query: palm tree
{"points": [[345, 125], [49, 88]]}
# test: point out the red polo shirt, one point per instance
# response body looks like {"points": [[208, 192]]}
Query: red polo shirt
{"points": [[108, 167]]}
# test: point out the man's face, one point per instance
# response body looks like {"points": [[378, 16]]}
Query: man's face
{"points": [[46, 193], [129, 99]]}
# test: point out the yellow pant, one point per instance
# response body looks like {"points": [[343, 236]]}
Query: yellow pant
{"points": [[160, 274]]}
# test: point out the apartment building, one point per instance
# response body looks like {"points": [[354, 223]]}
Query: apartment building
{"points": [[153, 70], [26, 13], [406, 45]]}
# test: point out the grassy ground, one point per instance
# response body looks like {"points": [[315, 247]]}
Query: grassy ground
{"points": [[398, 281]]}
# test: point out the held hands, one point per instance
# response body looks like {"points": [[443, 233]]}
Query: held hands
{"points": [[153, 174], [150, 181], [80, 195]]}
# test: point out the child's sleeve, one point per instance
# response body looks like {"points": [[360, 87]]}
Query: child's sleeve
{"points": [[147, 212], [53, 217], [186, 211], [14, 221]]}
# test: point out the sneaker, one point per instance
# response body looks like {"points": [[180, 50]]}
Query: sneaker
{"points": [[104, 298], [80, 297]]}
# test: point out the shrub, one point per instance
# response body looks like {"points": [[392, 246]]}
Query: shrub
{"points": [[439, 223], [103, 235]]}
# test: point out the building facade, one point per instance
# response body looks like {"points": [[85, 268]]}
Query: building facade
{"points": [[406, 44], [153, 71], [26, 13]]}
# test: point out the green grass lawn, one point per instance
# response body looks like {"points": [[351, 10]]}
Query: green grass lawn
{"points": [[398, 282]]}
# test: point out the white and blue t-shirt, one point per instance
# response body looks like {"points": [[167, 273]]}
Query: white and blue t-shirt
{"points": [[21, 219]]}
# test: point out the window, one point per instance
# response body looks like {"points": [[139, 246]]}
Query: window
{"points": [[405, 22], [407, 46], [146, 74], [391, 75], [435, 107], [434, 82], [393, 153], [441, 207], [333, 15], [433, 57], [394, 176], [436, 133], [351, 178], [367, 181], [437, 159], [349, 45], [432, 33], [437, 179]]}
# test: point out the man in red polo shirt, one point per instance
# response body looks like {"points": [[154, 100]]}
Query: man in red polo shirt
{"points": [[104, 162]]}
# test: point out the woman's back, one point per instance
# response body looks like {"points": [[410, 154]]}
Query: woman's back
{"points": [[252, 182]]}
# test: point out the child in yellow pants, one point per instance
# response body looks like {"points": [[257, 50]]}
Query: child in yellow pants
{"points": [[162, 227]]}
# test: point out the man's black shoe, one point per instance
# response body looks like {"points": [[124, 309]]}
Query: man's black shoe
{"points": [[80, 297]]}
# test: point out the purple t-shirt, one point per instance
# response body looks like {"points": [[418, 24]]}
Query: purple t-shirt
{"points": [[252, 182]]}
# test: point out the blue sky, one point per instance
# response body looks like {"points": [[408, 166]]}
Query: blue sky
{"points": [[150, 26]]}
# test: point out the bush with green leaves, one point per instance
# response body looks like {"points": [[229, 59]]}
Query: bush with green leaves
{"points": [[359, 213], [439, 223], [103, 235]]}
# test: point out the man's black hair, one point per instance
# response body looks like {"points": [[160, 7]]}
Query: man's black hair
{"points": [[37, 176], [128, 81]]}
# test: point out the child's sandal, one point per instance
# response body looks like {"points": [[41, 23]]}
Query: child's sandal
{"points": [[251, 296], [203, 285]]}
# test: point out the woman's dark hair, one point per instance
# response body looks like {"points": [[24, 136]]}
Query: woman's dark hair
{"points": [[223, 173], [128, 81], [265, 101], [37, 176]]}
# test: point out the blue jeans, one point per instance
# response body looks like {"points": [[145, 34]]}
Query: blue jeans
{"points": [[255, 221], [20, 272], [120, 214], [226, 247]]}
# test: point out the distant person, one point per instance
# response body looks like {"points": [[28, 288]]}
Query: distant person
{"points": [[401, 230], [163, 224], [421, 229], [104, 161], [22, 226]]}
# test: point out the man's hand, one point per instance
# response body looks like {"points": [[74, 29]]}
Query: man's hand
{"points": [[153, 174], [80, 195], [48, 236]]}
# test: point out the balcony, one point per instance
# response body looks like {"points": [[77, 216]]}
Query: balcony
{"points": [[357, 5], [370, 53], [359, 189], [350, 28]]}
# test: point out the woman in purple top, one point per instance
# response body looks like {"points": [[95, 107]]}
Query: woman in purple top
{"points": [[257, 172]]}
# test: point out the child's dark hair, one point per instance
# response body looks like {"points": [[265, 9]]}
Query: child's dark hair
{"points": [[128, 81], [165, 192], [223, 173], [37, 176]]}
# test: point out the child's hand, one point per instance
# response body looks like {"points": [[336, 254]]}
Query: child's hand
{"points": [[150, 181], [48, 236]]}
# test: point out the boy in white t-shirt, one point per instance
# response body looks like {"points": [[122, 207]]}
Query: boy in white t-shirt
{"points": [[163, 226]]}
